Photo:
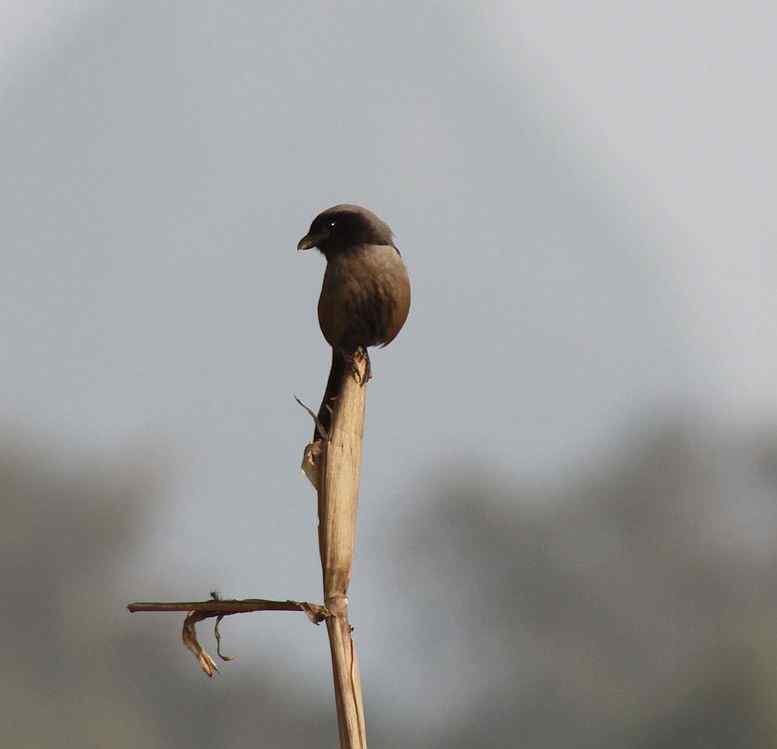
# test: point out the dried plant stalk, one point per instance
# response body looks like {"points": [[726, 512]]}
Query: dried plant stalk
{"points": [[339, 465], [333, 466]]}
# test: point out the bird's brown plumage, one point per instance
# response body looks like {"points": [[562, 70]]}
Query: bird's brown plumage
{"points": [[365, 297]]}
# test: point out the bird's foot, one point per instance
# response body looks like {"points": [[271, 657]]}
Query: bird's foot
{"points": [[356, 357]]}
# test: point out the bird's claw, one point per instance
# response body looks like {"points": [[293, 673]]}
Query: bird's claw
{"points": [[361, 353]]}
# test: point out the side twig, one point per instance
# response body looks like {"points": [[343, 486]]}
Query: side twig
{"points": [[222, 607], [216, 607]]}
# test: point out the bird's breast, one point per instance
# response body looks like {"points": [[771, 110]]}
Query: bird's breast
{"points": [[365, 298]]}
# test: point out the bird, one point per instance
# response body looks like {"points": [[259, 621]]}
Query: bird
{"points": [[365, 296]]}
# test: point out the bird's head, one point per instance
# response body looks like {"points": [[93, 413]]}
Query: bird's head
{"points": [[343, 226]]}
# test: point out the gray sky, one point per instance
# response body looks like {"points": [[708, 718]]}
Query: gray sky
{"points": [[580, 195]]}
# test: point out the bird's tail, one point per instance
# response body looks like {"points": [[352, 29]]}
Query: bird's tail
{"points": [[333, 388]]}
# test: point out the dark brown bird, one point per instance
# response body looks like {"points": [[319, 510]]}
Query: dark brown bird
{"points": [[365, 298]]}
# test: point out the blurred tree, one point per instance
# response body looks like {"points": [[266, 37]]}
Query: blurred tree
{"points": [[627, 608], [76, 668], [633, 607]]}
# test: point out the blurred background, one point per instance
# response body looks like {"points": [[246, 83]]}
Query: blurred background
{"points": [[569, 494]]}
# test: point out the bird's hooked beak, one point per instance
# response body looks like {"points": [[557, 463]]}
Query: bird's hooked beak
{"points": [[311, 240]]}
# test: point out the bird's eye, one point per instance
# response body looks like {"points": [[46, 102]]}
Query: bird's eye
{"points": [[331, 224]]}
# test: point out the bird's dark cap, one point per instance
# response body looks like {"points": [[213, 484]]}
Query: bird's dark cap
{"points": [[343, 225]]}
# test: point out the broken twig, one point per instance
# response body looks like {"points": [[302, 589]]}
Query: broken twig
{"points": [[199, 610]]}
